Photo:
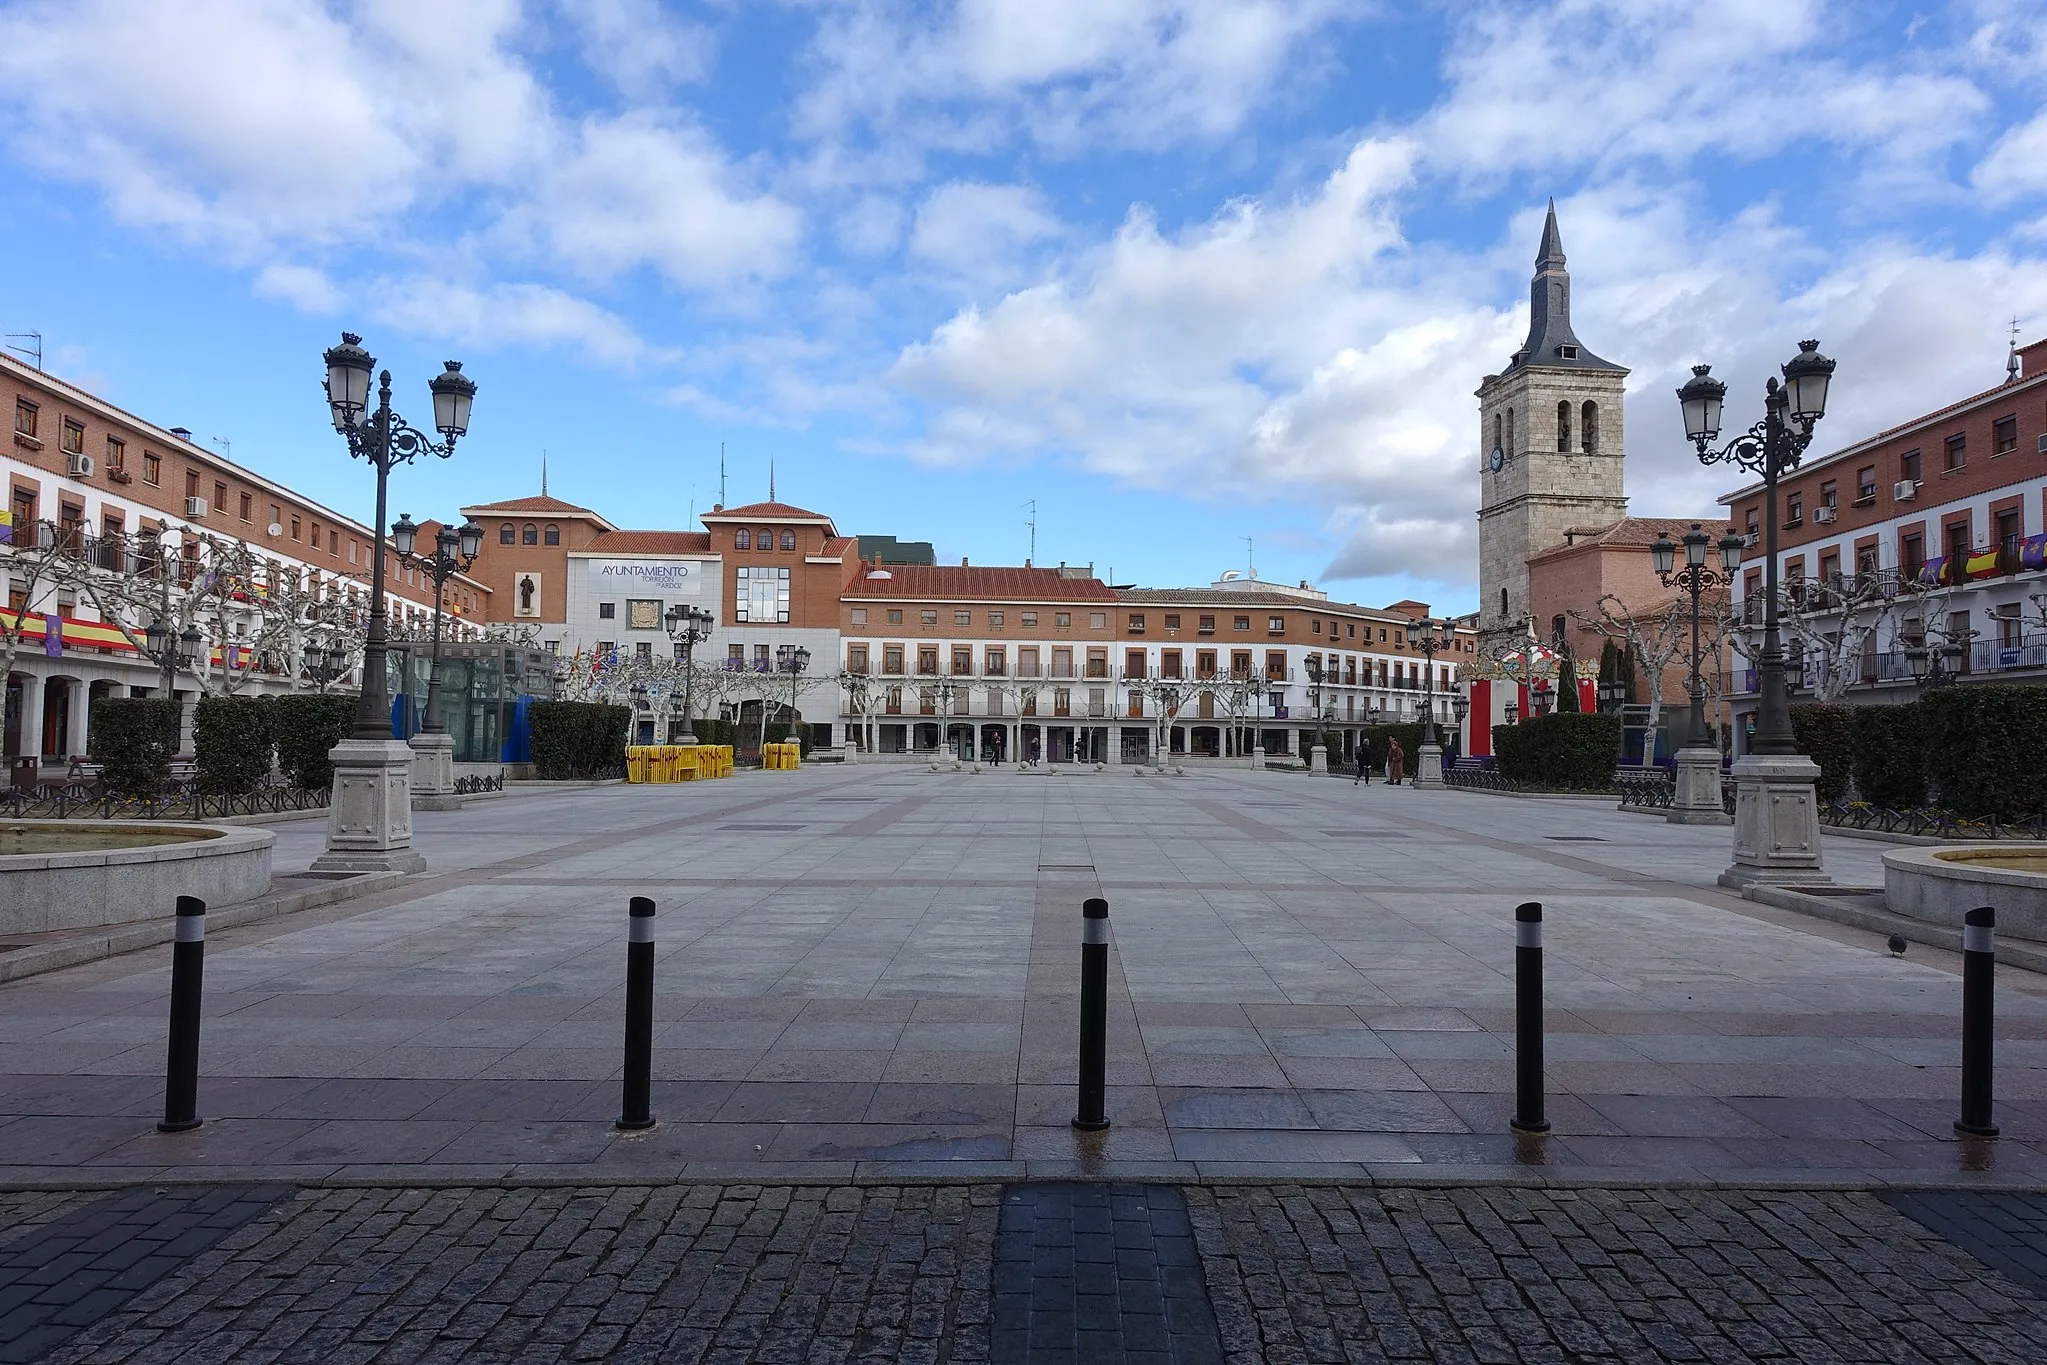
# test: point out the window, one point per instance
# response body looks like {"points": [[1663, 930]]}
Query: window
{"points": [[764, 539], [927, 659], [607, 611], [529, 534], [1754, 524], [1350, 630], [1503, 607], [856, 658], [191, 484], [1098, 620], [1830, 566], [1316, 625], [788, 540], [1828, 496], [1204, 663], [24, 418], [1275, 665], [1172, 622], [895, 616], [1169, 663], [1794, 509], [1062, 619], [1137, 623], [892, 659], [117, 453], [1027, 662], [1865, 484], [997, 662], [963, 618], [1564, 425], [962, 659], [1956, 451], [644, 649], [742, 539], [247, 508], [1908, 466], [762, 594], [1957, 545], [220, 497], [552, 535], [2008, 534], [1275, 625], [1205, 624], [859, 616], [1912, 554], [506, 535], [152, 467], [2004, 436], [1062, 662], [1588, 428], [995, 619], [1241, 623], [929, 618], [735, 657], [73, 439], [294, 528], [1865, 559], [1029, 618]]}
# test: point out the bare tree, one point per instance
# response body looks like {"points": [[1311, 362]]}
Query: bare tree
{"points": [[1658, 638], [39, 562]]}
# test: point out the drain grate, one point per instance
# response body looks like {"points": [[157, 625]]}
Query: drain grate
{"points": [[1066, 867], [1574, 838], [761, 829], [1366, 834]]}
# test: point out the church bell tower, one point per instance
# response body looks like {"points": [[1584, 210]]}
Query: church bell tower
{"points": [[1549, 449]]}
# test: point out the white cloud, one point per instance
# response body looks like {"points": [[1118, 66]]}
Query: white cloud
{"points": [[639, 190], [303, 287], [2015, 168], [637, 46], [1079, 73], [499, 315], [981, 231]]}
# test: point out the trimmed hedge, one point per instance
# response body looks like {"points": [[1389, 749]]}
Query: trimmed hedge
{"points": [[1565, 750], [231, 737], [133, 741], [307, 725], [1890, 755], [1409, 735], [1824, 733], [578, 738], [1986, 747]]}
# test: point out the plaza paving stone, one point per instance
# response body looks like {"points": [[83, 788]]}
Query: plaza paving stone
{"points": [[870, 973]]}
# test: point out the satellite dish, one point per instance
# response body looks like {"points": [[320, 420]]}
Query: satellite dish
{"points": [[275, 528], [1230, 576]]}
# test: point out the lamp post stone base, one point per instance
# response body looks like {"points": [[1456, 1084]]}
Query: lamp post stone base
{"points": [[1776, 822], [1428, 767], [369, 822], [1318, 759], [1697, 798], [433, 772], [1258, 756]]}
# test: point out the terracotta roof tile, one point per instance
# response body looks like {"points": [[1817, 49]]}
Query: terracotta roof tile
{"points": [[1248, 597], [980, 584], [771, 511], [539, 504], [651, 542], [1633, 533]]}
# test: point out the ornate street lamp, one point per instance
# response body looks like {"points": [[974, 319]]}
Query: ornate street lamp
{"points": [[455, 550], [688, 626], [372, 774], [1776, 810], [1460, 707], [1431, 637], [1697, 799]]}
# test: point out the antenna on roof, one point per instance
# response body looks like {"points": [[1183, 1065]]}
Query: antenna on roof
{"points": [[1250, 564], [771, 478], [227, 448], [2011, 360], [1033, 524], [543, 471], [34, 352], [721, 473]]}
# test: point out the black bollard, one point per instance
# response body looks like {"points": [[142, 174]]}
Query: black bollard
{"points": [[637, 1108], [1979, 1017], [1094, 1017], [1528, 1020], [188, 968]]}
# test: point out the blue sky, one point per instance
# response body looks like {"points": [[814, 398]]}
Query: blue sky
{"points": [[1183, 273]]}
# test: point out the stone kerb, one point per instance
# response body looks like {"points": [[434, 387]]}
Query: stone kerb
{"points": [[1940, 885]]}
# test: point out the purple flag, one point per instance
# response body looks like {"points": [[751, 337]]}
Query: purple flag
{"points": [[53, 636]]}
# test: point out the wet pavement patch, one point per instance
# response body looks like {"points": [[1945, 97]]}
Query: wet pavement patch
{"points": [[1100, 1272], [77, 1268], [2005, 1231]]}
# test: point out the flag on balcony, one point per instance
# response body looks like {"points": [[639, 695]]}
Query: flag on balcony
{"points": [[6, 528], [1980, 564], [1930, 571], [2033, 552], [53, 636]]}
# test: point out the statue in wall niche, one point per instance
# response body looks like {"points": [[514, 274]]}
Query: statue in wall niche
{"points": [[526, 594]]}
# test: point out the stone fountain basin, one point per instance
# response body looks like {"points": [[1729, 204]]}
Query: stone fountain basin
{"points": [[1940, 885], [87, 873]]}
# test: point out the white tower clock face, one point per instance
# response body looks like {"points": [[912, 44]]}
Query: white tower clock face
{"points": [[1499, 459]]}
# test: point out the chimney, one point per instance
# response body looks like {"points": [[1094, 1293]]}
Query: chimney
{"points": [[183, 434], [963, 561]]}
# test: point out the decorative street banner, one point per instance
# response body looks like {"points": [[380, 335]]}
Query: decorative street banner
{"points": [[677, 578]]}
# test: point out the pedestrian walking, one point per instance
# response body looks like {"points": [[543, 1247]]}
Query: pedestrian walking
{"points": [[1364, 762], [1396, 763]]}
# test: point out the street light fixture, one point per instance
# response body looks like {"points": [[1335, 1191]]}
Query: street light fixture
{"points": [[1777, 810], [1431, 637], [1697, 799], [455, 550], [688, 626]]}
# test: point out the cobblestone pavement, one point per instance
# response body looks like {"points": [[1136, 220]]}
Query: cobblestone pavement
{"points": [[1336, 1274], [913, 1273]]}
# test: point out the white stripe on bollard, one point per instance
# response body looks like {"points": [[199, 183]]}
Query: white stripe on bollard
{"points": [[640, 929], [1979, 938], [191, 929], [1094, 930], [1528, 933]]}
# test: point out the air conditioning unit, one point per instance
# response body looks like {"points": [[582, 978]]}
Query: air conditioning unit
{"points": [[1750, 540], [195, 508], [1823, 514], [1904, 490], [81, 466]]}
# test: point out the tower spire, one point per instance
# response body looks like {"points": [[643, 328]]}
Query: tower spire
{"points": [[1551, 252], [1551, 342]]}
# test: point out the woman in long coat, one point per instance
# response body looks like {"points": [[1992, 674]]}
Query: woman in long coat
{"points": [[1396, 763]]}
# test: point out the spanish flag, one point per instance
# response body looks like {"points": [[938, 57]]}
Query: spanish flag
{"points": [[1981, 564]]}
